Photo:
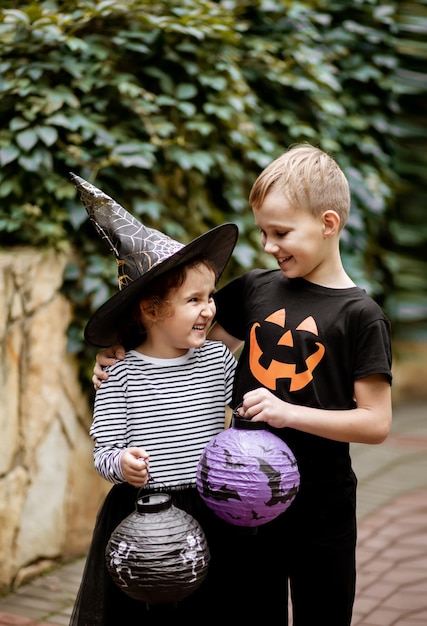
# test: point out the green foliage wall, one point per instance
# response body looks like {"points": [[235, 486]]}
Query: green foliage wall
{"points": [[408, 221], [174, 108]]}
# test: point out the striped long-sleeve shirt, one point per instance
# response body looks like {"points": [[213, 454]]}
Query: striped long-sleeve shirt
{"points": [[170, 407]]}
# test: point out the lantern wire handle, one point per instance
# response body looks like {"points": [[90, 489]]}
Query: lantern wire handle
{"points": [[235, 413]]}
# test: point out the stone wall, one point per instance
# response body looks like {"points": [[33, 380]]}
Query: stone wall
{"points": [[49, 490]]}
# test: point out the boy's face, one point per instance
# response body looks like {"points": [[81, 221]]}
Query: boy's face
{"points": [[192, 310], [301, 243]]}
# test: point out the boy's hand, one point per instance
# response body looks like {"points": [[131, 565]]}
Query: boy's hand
{"points": [[135, 466], [260, 405], [106, 357]]}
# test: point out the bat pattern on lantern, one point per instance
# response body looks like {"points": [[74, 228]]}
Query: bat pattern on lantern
{"points": [[229, 460], [274, 478], [255, 516], [290, 458], [223, 493]]}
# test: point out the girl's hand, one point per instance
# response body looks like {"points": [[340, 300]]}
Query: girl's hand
{"points": [[135, 466]]}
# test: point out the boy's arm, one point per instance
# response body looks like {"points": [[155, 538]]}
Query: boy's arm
{"points": [[369, 422], [374, 406], [218, 333]]}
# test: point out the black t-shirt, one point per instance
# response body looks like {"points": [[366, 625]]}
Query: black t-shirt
{"points": [[307, 344]]}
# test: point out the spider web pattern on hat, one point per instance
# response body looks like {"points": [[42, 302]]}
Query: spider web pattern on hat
{"points": [[136, 247]]}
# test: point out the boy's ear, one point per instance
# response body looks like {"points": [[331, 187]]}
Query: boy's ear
{"points": [[331, 223]]}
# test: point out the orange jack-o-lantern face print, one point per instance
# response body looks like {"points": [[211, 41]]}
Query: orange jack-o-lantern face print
{"points": [[276, 370]]}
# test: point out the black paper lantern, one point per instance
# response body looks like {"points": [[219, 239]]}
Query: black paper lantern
{"points": [[247, 475], [158, 554]]}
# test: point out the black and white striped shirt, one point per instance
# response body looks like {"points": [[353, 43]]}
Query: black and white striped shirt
{"points": [[170, 407]]}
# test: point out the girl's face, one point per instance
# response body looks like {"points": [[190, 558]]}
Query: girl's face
{"points": [[299, 241], [190, 314]]}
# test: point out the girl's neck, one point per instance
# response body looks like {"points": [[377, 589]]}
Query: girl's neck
{"points": [[151, 349]]}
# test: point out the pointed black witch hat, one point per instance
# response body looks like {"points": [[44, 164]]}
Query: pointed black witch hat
{"points": [[142, 254]]}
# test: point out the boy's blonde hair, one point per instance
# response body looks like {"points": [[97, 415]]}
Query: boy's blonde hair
{"points": [[307, 177]]}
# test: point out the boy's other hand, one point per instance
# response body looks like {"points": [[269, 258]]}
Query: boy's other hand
{"points": [[106, 357]]}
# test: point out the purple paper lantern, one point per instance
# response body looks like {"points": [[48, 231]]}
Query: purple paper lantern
{"points": [[158, 554], [247, 475]]}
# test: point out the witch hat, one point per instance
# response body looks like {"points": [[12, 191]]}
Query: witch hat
{"points": [[142, 254]]}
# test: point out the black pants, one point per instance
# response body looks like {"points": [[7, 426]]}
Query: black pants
{"points": [[311, 549]]}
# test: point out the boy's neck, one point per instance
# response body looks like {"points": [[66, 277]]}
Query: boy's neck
{"points": [[346, 283], [334, 278]]}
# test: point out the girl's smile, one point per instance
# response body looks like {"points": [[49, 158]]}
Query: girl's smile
{"points": [[186, 322]]}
